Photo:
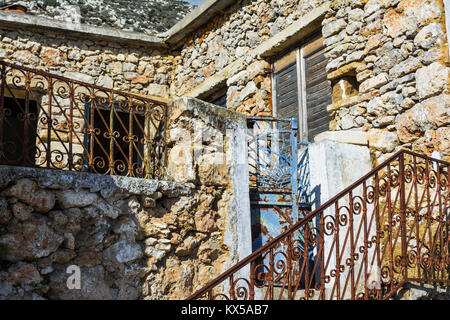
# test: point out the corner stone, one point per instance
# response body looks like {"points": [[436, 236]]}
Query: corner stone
{"points": [[385, 141], [344, 136]]}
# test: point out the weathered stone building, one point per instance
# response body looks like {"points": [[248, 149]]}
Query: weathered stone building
{"points": [[364, 79]]}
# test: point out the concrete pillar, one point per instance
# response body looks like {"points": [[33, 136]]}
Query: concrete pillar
{"points": [[334, 166], [208, 147]]}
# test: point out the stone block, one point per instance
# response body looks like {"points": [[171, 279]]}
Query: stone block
{"points": [[344, 136], [158, 90], [76, 199], [79, 76], [374, 83], [123, 252], [409, 65], [28, 191], [431, 79], [382, 140], [33, 239], [429, 36], [333, 27], [429, 114]]}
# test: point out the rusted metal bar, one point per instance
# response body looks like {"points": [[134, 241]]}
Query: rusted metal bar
{"points": [[442, 223], [322, 257], [352, 246], [48, 152], [252, 280], [289, 269], [378, 235], [306, 260], [404, 248], [2, 109], [70, 127], [78, 82], [416, 213], [26, 127], [366, 242]]}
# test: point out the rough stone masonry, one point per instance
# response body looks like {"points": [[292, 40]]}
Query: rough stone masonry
{"points": [[115, 229], [388, 65], [390, 56], [132, 239], [398, 53]]}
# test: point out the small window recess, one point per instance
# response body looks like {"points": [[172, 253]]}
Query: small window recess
{"points": [[19, 132], [344, 87], [219, 97]]}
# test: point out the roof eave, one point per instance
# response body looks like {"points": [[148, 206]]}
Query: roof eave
{"points": [[193, 21], [12, 20]]}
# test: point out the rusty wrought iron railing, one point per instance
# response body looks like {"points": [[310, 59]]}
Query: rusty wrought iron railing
{"points": [[55, 122], [387, 229]]}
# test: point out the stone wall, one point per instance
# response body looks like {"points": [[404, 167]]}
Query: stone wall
{"points": [[120, 231], [391, 58], [230, 36], [388, 64], [208, 149], [250, 91], [136, 69], [132, 239]]}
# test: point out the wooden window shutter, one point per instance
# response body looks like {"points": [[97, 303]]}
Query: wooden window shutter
{"points": [[317, 89], [287, 92], [286, 86], [301, 88]]}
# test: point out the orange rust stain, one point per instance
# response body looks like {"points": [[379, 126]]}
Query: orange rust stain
{"points": [[393, 21], [408, 4], [20, 11]]}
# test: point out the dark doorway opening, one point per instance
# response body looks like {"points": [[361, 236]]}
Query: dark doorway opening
{"points": [[18, 129], [112, 149]]}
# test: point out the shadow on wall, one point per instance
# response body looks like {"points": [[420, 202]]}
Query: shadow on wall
{"points": [[417, 291], [315, 197], [128, 238]]}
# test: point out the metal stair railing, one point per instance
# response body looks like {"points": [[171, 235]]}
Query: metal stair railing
{"points": [[387, 229]]}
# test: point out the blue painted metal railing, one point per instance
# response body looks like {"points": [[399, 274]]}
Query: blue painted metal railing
{"points": [[279, 177]]}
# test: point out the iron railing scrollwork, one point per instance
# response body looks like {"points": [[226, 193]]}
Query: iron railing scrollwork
{"points": [[51, 121], [385, 230]]}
